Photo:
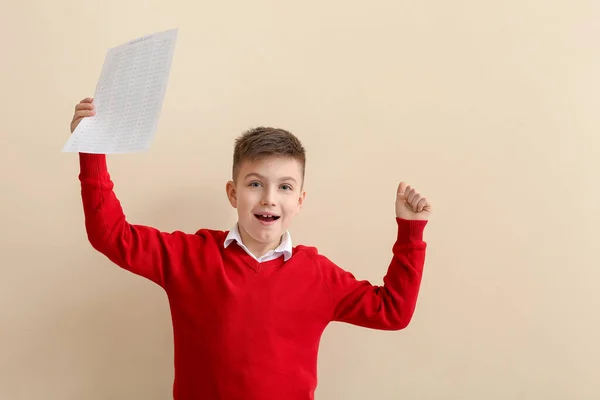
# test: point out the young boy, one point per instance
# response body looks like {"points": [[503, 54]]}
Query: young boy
{"points": [[248, 307]]}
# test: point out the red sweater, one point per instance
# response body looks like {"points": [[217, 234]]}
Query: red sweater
{"points": [[243, 329]]}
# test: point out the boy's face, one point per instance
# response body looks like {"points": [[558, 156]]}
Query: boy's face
{"points": [[267, 194]]}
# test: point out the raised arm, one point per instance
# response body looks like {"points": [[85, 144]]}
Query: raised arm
{"points": [[391, 306], [143, 250]]}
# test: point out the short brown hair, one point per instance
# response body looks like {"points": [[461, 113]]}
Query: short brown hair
{"points": [[260, 142]]}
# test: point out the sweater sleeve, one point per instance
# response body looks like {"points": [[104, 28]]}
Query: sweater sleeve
{"points": [[387, 307], [139, 249]]}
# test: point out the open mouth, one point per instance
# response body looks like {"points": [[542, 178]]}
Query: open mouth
{"points": [[267, 217]]}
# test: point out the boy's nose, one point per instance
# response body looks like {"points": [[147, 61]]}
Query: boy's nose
{"points": [[266, 202], [267, 198]]}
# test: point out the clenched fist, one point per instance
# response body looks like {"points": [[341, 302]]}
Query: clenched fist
{"points": [[410, 204], [85, 108]]}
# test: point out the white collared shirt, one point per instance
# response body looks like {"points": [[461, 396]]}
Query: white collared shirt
{"points": [[284, 248]]}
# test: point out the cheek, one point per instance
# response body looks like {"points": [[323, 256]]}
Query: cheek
{"points": [[245, 200], [290, 207]]}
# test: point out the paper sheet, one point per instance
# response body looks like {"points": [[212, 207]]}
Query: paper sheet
{"points": [[128, 98]]}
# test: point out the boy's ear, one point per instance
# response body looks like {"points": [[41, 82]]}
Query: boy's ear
{"points": [[231, 194], [301, 200]]}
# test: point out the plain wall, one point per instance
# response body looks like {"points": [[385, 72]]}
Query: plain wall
{"points": [[489, 108]]}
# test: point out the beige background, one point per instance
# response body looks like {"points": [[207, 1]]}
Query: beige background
{"points": [[489, 108]]}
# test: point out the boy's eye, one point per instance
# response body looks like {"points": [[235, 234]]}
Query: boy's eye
{"points": [[254, 184], [286, 187]]}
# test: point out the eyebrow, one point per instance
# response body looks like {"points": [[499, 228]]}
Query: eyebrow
{"points": [[259, 176]]}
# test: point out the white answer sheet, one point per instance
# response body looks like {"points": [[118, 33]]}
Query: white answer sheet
{"points": [[128, 98]]}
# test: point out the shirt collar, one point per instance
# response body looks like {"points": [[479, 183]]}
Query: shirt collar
{"points": [[285, 247]]}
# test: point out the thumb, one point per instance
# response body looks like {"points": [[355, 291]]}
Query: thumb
{"points": [[401, 189]]}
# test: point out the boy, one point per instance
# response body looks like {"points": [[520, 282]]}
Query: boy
{"points": [[248, 307]]}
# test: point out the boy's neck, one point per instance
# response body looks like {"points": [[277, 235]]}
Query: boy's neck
{"points": [[256, 248]]}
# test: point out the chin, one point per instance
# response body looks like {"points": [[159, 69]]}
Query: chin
{"points": [[268, 235], [267, 238]]}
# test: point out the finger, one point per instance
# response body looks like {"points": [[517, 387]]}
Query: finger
{"points": [[87, 100], [422, 203], [84, 106], [407, 190], [411, 194], [414, 201], [401, 189], [414, 198], [83, 113]]}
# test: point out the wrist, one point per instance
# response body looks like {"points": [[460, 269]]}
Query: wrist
{"points": [[410, 230], [92, 165]]}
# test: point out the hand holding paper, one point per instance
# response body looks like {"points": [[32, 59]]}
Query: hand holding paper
{"points": [[128, 99], [84, 109]]}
